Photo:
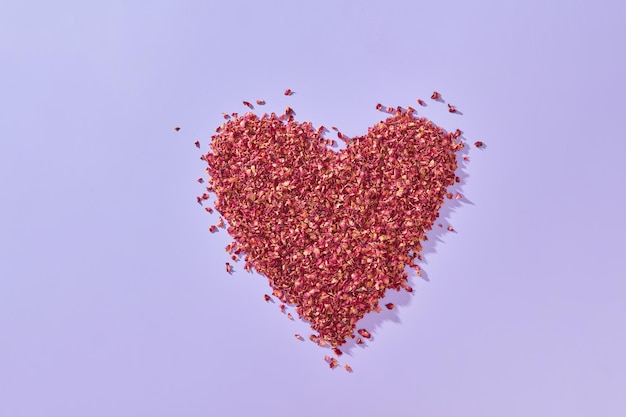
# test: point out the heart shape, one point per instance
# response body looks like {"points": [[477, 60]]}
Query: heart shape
{"points": [[332, 231]]}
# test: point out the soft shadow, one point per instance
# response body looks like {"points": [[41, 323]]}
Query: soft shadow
{"points": [[373, 321]]}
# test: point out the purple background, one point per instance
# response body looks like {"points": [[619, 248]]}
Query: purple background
{"points": [[113, 296]]}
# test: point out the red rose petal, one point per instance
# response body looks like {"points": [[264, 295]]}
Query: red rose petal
{"points": [[364, 333]]}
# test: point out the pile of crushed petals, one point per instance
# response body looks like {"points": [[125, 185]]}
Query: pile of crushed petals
{"points": [[331, 230]]}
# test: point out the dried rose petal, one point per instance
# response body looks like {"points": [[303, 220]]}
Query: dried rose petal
{"points": [[379, 106], [200, 180], [248, 104], [228, 267], [288, 92], [260, 102], [301, 213], [197, 143], [267, 297], [177, 128], [212, 229], [436, 96], [337, 352], [347, 367], [421, 102], [300, 338], [390, 306], [451, 108]]}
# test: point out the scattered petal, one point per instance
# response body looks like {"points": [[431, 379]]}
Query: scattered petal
{"points": [[364, 333]]}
